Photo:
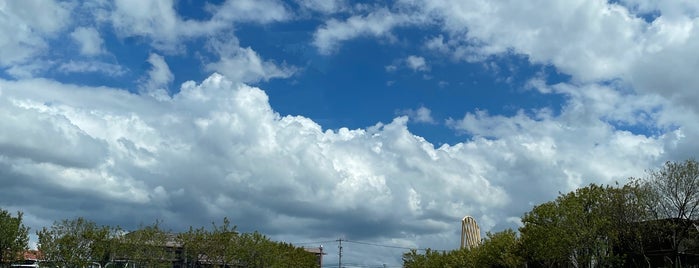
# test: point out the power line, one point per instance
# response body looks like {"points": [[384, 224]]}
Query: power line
{"points": [[341, 251], [389, 246], [365, 243], [314, 242]]}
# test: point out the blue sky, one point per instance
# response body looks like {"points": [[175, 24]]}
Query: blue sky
{"points": [[382, 122]]}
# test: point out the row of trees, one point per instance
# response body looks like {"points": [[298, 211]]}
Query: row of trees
{"points": [[650, 221], [82, 243]]}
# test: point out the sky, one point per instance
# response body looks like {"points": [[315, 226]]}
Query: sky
{"points": [[381, 122]]}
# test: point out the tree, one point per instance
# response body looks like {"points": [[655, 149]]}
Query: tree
{"points": [[218, 246], [629, 219], [583, 228], [148, 246], [194, 243], [75, 243], [673, 206], [674, 190], [223, 246], [14, 237], [436, 259], [499, 249]]}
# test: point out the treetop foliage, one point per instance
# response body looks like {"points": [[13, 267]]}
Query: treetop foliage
{"points": [[14, 237]]}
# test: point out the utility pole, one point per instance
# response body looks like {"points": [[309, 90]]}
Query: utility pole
{"points": [[339, 261]]}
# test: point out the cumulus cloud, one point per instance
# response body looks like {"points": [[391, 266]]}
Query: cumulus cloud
{"points": [[244, 64], [25, 27], [159, 21], [323, 6], [159, 77], [92, 67], [29, 69], [150, 151], [594, 41], [156, 20], [208, 152], [416, 63], [377, 23], [89, 40], [258, 11], [419, 115]]}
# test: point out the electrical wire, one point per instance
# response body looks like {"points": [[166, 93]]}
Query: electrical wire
{"points": [[389, 246], [314, 242]]}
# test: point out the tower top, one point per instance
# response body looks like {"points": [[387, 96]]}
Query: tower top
{"points": [[470, 233]]}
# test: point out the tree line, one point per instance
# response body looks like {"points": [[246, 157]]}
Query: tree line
{"points": [[651, 221], [83, 243]]}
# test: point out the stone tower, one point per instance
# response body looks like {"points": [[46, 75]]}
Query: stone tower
{"points": [[470, 233]]}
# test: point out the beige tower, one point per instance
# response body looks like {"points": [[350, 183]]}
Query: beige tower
{"points": [[470, 233]]}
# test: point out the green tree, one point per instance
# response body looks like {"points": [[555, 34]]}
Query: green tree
{"points": [[436, 259], [148, 246], [499, 249], [223, 246], [194, 244], [543, 235], [279, 255], [75, 243], [14, 237], [582, 228], [223, 243]]}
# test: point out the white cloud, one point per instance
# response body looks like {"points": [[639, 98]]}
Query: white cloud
{"points": [[154, 19], [29, 69], [244, 64], [92, 67], [259, 11], [25, 27], [323, 6], [419, 115], [593, 41], [416, 63], [378, 23], [587, 142], [209, 149], [159, 77], [213, 145], [159, 21], [89, 41]]}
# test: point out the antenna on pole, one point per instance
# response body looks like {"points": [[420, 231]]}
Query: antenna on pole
{"points": [[339, 261]]}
